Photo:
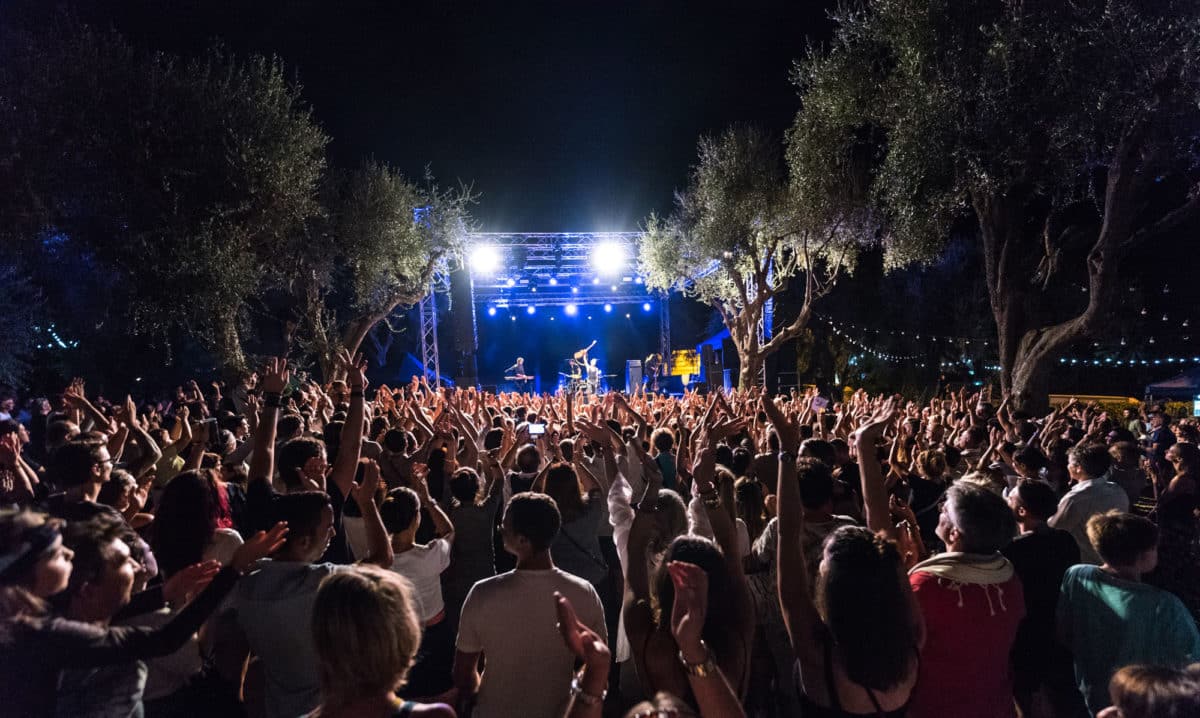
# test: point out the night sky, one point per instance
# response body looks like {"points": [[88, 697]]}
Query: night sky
{"points": [[566, 116]]}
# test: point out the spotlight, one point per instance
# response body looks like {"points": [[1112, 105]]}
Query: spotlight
{"points": [[608, 307], [513, 318], [491, 311], [626, 315], [511, 282], [553, 282], [595, 280], [646, 306], [485, 259], [571, 310], [613, 287], [608, 258], [574, 290], [530, 309]]}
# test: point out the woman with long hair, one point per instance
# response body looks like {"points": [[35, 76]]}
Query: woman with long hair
{"points": [[858, 636], [728, 628], [192, 523], [473, 513], [579, 496], [1185, 460]]}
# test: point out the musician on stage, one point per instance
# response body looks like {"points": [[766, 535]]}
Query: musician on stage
{"points": [[651, 369], [593, 376], [516, 374]]}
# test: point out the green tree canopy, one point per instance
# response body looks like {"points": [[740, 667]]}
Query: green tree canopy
{"points": [[1067, 131], [741, 232]]}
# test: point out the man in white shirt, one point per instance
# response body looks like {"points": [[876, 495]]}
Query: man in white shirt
{"points": [[1092, 494], [511, 619]]}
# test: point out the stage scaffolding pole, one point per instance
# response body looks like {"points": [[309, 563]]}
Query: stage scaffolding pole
{"points": [[429, 336]]}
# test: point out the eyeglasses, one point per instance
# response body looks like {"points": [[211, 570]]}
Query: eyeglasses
{"points": [[108, 461]]}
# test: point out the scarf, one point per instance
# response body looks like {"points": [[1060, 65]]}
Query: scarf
{"points": [[966, 569]]}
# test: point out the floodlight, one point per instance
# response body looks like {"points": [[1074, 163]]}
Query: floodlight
{"points": [[491, 311], [608, 258], [485, 259], [646, 307], [530, 309], [571, 310], [511, 282], [553, 282], [608, 307]]}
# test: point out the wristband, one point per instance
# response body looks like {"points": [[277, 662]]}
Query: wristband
{"points": [[272, 399], [584, 697], [704, 669], [356, 393]]}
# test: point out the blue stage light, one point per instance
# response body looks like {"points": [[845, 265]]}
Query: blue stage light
{"points": [[553, 282], [571, 310], [491, 311], [530, 310], [574, 290], [608, 307], [646, 306], [486, 260], [511, 283]]}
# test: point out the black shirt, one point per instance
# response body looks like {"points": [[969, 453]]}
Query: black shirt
{"points": [[1040, 558]]}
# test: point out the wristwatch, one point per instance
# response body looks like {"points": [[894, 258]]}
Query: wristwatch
{"points": [[788, 458]]}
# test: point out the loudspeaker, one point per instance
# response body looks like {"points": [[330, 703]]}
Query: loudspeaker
{"points": [[633, 375], [713, 368]]}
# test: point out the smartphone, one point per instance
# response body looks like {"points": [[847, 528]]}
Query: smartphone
{"points": [[819, 403], [537, 429]]}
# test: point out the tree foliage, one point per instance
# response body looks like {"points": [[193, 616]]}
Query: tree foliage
{"points": [[741, 232], [1066, 131], [382, 242], [183, 179]]}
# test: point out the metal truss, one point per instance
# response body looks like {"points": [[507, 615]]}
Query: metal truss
{"points": [[429, 337]]}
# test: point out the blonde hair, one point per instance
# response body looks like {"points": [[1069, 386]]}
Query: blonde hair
{"points": [[365, 631]]}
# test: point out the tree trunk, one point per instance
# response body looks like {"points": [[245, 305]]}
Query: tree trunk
{"points": [[228, 345], [749, 371]]}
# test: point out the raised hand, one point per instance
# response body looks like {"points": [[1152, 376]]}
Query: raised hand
{"points": [[356, 369], [187, 582], [789, 433], [581, 641], [690, 609], [364, 491], [876, 425], [260, 545], [275, 376]]}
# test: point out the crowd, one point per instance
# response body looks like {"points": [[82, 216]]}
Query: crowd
{"points": [[281, 548]]}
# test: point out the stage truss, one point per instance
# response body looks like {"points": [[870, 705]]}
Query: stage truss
{"points": [[542, 269]]}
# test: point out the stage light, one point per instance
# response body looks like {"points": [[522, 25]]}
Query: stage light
{"points": [[608, 258], [511, 282], [626, 315], [574, 290], [530, 309], [553, 282], [571, 310], [608, 307], [646, 307], [513, 318], [485, 259], [595, 280], [491, 311], [613, 287]]}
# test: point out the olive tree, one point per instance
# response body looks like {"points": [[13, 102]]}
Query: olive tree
{"points": [[1065, 133], [741, 232]]}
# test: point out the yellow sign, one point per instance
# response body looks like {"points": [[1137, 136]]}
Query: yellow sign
{"points": [[685, 361]]}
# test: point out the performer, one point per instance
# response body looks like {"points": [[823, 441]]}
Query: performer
{"points": [[593, 377], [651, 369], [516, 374], [581, 356]]}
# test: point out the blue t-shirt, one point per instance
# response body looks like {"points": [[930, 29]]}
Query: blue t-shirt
{"points": [[1109, 623]]}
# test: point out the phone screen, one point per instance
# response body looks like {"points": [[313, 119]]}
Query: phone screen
{"points": [[537, 429]]}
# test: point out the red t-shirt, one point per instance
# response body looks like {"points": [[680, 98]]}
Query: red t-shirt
{"points": [[970, 629]]}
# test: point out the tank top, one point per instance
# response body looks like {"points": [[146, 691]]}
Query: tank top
{"points": [[810, 709]]}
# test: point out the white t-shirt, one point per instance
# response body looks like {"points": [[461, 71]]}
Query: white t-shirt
{"points": [[423, 566], [512, 619]]}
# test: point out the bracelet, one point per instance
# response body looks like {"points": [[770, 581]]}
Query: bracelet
{"points": [[356, 393], [585, 697], [272, 399], [712, 503], [704, 669]]}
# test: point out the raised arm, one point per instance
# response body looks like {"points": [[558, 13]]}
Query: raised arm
{"points": [[874, 488], [262, 461], [379, 548], [350, 446]]}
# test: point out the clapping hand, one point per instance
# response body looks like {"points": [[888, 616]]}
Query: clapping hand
{"points": [[689, 609], [581, 641]]}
